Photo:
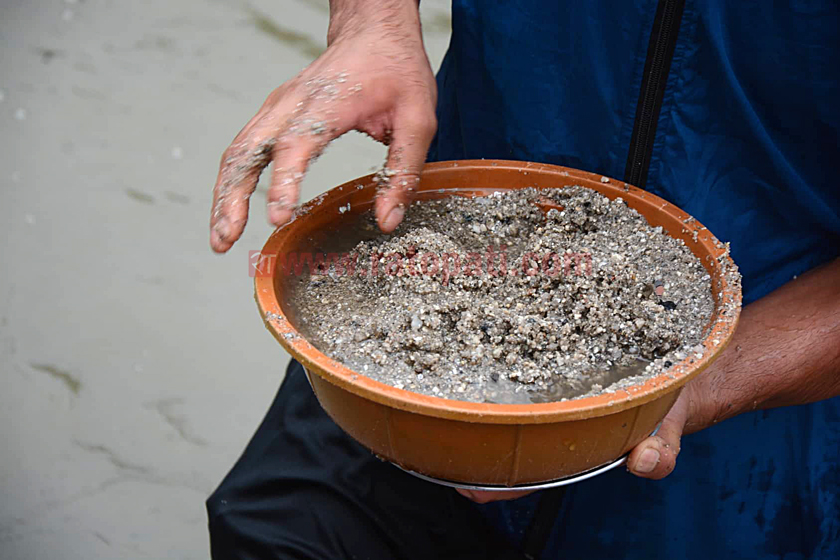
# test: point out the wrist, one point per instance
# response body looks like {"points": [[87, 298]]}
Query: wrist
{"points": [[724, 391], [785, 352], [351, 17]]}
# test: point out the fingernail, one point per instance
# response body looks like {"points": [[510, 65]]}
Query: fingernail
{"points": [[221, 228], [279, 212], [647, 461], [393, 219], [216, 242]]}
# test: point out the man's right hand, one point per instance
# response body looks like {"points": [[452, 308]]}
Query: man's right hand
{"points": [[374, 77]]}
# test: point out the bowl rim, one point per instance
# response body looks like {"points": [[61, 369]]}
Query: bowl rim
{"points": [[723, 324]]}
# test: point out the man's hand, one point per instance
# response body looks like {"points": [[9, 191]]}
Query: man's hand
{"points": [[786, 351], [374, 77]]}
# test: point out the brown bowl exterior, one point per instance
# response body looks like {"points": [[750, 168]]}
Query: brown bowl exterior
{"points": [[483, 443]]}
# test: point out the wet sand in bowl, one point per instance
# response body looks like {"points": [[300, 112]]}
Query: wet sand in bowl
{"points": [[492, 299]]}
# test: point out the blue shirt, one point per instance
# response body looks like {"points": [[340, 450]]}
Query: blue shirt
{"points": [[748, 142]]}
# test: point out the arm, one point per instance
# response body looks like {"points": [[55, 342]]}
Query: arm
{"points": [[374, 77], [786, 351]]}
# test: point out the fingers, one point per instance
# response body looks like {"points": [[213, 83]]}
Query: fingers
{"points": [[412, 134], [656, 456], [291, 161], [301, 143], [242, 163], [315, 122], [484, 496], [291, 129], [239, 171]]}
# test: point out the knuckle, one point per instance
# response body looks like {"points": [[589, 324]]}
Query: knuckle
{"points": [[284, 182], [422, 121], [285, 140], [235, 152], [428, 123], [404, 185], [227, 157], [276, 95]]}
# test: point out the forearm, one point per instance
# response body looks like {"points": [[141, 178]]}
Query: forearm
{"points": [[347, 17], [786, 351]]}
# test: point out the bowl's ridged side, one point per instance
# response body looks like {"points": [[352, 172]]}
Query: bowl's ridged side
{"points": [[491, 454]]}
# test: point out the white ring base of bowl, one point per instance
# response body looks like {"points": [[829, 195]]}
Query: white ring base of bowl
{"points": [[527, 487]]}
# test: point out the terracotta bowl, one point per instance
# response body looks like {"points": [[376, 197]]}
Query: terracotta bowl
{"points": [[478, 443]]}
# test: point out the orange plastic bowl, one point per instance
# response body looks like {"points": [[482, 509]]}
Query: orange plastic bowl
{"points": [[479, 443]]}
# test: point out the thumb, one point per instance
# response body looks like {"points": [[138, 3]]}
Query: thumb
{"points": [[656, 456], [413, 132]]}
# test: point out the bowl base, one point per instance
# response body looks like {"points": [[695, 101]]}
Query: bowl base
{"points": [[580, 477], [519, 488]]}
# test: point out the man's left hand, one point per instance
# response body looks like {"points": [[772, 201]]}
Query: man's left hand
{"points": [[786, 351]]}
